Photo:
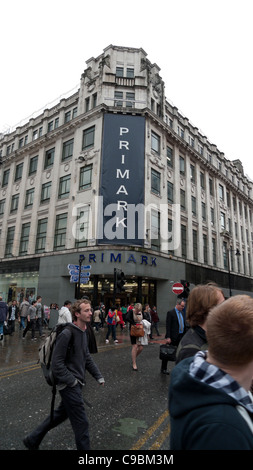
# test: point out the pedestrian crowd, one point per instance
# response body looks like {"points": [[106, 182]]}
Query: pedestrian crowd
{"points": [[210, 397], [29, 313]]}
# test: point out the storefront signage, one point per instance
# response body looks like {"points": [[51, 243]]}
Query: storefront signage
{"points": [[110, 257], [121, 217]]}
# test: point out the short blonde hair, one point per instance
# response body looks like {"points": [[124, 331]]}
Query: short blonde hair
{"points": [[138, 306], [230, 331]]}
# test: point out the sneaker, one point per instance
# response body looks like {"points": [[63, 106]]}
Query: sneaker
{"points": [[116, 341], [29, 444], [107, 340]]}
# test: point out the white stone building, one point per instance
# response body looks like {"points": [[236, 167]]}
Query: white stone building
{"points": [[51, 182]]}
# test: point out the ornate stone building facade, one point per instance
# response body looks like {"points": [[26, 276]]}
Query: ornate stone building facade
{"points": [[119, 139]]}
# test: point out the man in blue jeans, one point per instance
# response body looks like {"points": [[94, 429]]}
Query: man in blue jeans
{"points": [[69, 372]]}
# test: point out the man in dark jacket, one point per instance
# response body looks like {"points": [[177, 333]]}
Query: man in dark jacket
{"points": [[13, 311], [69, 373], [175, 328], [210, 403], [3, 316]]}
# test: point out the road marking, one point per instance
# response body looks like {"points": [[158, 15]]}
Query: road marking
{"points": [[10, 373], [161, 438], [150, 431]]}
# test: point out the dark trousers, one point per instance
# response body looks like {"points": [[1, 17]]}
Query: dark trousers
{"points": [[30, 325], [39, 325], [72, 407], [11, 324]]}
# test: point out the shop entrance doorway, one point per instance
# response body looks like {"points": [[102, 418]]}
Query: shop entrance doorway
{"points": [[100, 290]]}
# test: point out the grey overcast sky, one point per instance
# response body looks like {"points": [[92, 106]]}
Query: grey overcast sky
{"points": [[203, 48]]}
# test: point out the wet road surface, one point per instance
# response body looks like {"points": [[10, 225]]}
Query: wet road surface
{"points": [[129, 412]]}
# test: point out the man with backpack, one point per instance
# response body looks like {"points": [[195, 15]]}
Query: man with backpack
{"points": [[70, 359]]}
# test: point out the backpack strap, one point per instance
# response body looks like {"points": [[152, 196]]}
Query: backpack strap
{"points": [[181, 347], [54, 390], [52, 404]]}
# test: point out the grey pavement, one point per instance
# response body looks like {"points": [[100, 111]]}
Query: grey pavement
{"points": [[129, 412]]}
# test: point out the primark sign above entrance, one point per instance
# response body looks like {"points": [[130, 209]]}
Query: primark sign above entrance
{"points": [[122, 181], [111, 257]]}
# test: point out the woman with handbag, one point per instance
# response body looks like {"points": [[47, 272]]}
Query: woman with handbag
{"points": [[135, 317]]}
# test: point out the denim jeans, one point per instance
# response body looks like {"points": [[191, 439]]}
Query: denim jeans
{"points": [[72, 407], [111, 329], [22, 323], [1, 327]]}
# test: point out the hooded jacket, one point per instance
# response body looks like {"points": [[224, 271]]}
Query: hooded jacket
{"points": [[24, 308], [204, 417], [64, 315], [71, 358]]}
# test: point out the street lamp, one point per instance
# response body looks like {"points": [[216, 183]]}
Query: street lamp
{"points": [[81, 259], [237, 252], [227, 249]]}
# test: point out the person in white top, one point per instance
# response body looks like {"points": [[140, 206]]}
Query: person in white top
{"points": [[65, 314]]}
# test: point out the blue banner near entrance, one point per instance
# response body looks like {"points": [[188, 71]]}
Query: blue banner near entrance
{"points": [[121, 206]]}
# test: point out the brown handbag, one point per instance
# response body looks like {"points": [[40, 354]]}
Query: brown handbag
{"points": [[137, 330]]}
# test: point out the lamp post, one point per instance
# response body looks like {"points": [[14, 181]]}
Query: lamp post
{"points": [[226, 247], [81, 259], [228, 250], [237, 252], [229, 274]]}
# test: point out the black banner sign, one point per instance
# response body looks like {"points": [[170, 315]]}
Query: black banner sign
{"points": [[121, 203]]}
